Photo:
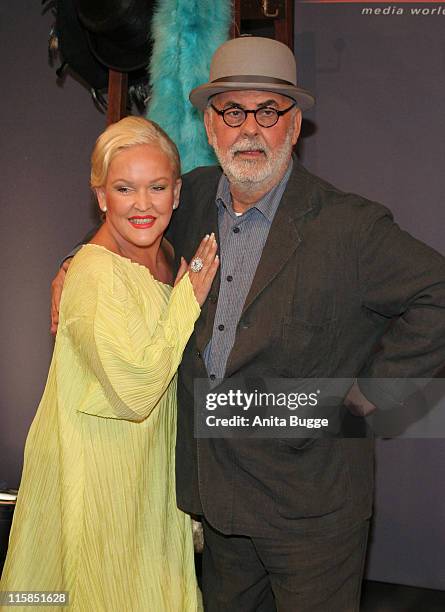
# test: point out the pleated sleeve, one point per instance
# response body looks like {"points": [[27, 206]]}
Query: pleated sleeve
{"points": [[130, 374]]}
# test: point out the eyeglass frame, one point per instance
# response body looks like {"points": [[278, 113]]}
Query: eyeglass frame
{"points": [[279, 113]]}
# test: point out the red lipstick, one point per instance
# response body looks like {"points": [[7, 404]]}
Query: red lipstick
{"points": [[144, 222]]}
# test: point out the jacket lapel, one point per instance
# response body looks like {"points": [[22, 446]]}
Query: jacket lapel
{"points": [[285, 234], [208, 223]]}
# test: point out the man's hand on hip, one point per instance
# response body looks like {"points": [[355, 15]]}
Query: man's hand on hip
{"points": [[357, 403]]}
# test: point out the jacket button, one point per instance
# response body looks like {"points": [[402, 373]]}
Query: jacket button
{"points": [[213, 299], [198, 354]]}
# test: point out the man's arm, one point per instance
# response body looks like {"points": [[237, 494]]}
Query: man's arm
{"points": [[56, 294], [59, 280], [404, 280]]}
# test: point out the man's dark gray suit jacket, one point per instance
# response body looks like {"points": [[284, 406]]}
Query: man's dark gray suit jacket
{"points": [[340, 291]]}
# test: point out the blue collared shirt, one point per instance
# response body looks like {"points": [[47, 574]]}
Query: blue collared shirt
{"points": [[241, 242]]}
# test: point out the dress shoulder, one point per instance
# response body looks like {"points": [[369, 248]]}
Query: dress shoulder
{"points": [[91, 262]]}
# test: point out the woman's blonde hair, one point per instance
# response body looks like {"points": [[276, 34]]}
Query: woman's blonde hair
{"points": [[126, 133]]}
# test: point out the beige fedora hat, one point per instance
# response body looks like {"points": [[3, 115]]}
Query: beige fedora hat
{"points": [[252, 62]]}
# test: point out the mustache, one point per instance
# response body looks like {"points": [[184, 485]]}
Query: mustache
{"points": [[249, 144]]}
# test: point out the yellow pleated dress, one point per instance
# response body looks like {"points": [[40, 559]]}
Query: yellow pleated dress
{"points": [[96, 514]]}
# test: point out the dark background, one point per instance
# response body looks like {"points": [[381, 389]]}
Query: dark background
{"points": [[47, 133], [377, 129]]}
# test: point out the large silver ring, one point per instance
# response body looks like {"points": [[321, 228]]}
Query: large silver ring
{"points": [[196, 264]]}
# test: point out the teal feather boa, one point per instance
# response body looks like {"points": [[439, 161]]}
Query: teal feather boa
{"points": [[186, 34]]}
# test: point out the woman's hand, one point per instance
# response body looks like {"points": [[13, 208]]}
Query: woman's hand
{"points": [[201, 280]]}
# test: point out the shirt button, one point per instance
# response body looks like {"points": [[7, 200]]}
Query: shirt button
{"points": [[221, 327], [212, 376], [198, 354], [236, 230], [230, 278]]}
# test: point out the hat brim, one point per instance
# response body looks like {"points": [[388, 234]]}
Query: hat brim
{"points": [[199, 96]]}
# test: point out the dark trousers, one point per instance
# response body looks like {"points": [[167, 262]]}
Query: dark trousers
{"points": [[287, 573]]}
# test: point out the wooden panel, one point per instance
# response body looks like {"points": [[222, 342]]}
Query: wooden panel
{"points": [[117, 96], [271, 18], [263, 9], [235, 29], [284, 25]]}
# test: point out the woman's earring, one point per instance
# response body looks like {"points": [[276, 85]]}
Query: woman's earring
{"points": [[175, 205], [104, 209]]}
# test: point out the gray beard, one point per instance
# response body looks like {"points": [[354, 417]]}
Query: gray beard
{"points": [[251, 174]]}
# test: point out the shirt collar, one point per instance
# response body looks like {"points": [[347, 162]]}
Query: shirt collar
{"points": [[268, 203]]}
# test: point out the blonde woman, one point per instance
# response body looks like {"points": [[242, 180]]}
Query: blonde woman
{"points": [[96, 514]]}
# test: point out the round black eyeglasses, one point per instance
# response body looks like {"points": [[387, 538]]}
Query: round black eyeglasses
{"points": [[266, 116]]}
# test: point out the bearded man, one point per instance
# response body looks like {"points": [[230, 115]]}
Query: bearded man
{"points": [[309, 279]]}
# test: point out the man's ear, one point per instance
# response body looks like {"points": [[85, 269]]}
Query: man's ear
{"points": [[298, 117], [208, 124], [100, 195]]}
